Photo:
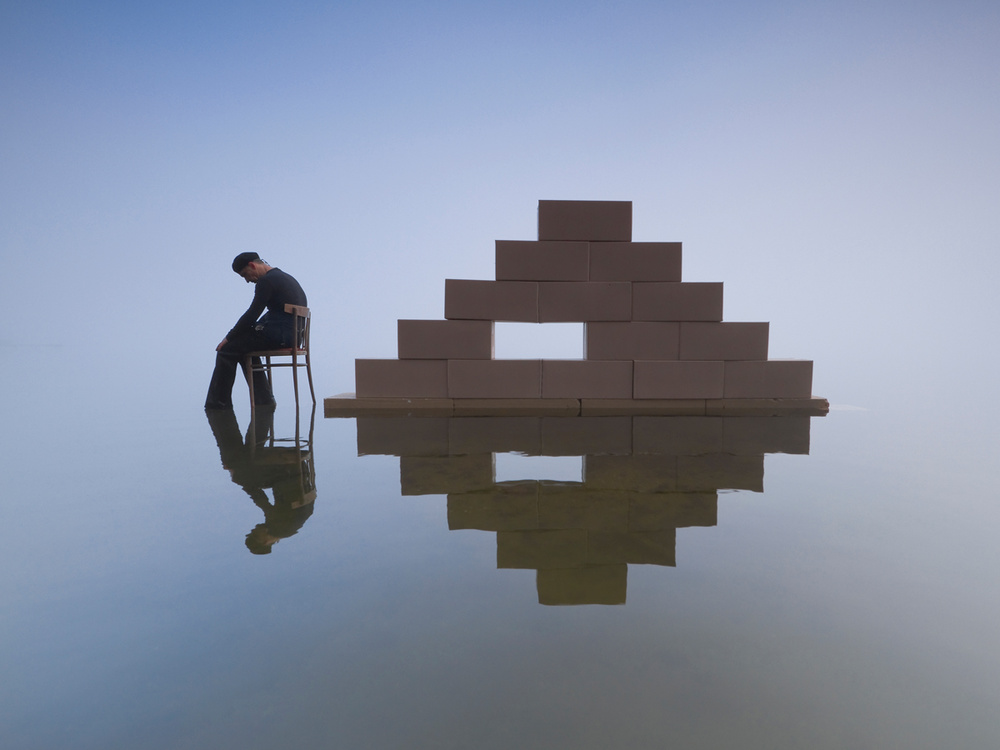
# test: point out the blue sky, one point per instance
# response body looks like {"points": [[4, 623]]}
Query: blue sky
{"points": [[835, 164]]}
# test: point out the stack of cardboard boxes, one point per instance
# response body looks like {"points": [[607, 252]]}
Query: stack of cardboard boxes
{"points": [[649, 336]]}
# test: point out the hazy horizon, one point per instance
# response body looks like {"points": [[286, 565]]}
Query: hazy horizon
{"points": [[835, 167]]}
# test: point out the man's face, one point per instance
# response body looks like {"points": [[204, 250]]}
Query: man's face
{"points": [[251, 273]]}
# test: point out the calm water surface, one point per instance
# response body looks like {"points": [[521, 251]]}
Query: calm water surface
{"points": [[703, 583]]}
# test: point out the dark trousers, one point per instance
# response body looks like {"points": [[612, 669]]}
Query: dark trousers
{"points": [[229, 357]]}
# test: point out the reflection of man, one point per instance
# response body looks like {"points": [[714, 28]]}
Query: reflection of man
{"points": [[254, 466], [276, 330]]}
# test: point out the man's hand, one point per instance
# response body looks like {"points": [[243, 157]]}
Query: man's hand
{"points": [[221, 344]]}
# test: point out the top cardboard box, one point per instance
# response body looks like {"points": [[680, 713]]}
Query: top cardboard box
{"points": [[593, 221]]}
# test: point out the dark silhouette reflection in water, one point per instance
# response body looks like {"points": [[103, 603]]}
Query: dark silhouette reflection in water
{"points": [[260, 461], [644, 477]]}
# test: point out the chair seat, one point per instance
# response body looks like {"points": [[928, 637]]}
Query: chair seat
{"points": [[299, 352], [275, 353]]}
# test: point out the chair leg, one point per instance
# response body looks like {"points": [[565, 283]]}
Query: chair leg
{"points": [[309, 372], [248, 373], [295, 383], [296, 419]]}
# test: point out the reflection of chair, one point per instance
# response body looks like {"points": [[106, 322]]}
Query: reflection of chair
{"points": [[290, 456], [299, 352]]}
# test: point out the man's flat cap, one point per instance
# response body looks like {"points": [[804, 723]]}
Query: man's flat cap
{"points": [[240, 261]]}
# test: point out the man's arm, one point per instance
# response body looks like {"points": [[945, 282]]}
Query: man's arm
{"points": [[262, 293]]}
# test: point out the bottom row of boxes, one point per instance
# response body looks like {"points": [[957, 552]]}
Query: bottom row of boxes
{"points": [[559, 378]]}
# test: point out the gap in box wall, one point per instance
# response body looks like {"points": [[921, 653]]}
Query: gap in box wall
{"points": [[538, 340], [514, 467]]}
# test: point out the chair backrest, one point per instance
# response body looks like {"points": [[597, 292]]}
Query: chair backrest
{"points": [[303, 321]]}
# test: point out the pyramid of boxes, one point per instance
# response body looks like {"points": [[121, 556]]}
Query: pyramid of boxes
{"points": [[652, 341]]}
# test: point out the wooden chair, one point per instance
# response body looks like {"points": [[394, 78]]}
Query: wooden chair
{"points": [[299, 353]]}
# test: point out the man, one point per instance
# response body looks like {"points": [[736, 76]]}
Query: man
{"points": [[275, 330]]}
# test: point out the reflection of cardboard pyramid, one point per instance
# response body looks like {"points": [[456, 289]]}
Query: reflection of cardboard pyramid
{"points": [[654, 344], [644, 477]]}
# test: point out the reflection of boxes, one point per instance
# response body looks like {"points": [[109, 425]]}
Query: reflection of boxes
{"points": [[583, 435], [677, 436], [608, 407], [511, 506], [720, 471], [757, 435], [592, 584], [439, 475], [403, 436], [495, 435], [542, 549], [637, 473], [576, 507], [636, 547], [670, 510], [643, 478]]}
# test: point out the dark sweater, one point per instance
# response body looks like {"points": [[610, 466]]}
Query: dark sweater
{"points": [[274, 290]]}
